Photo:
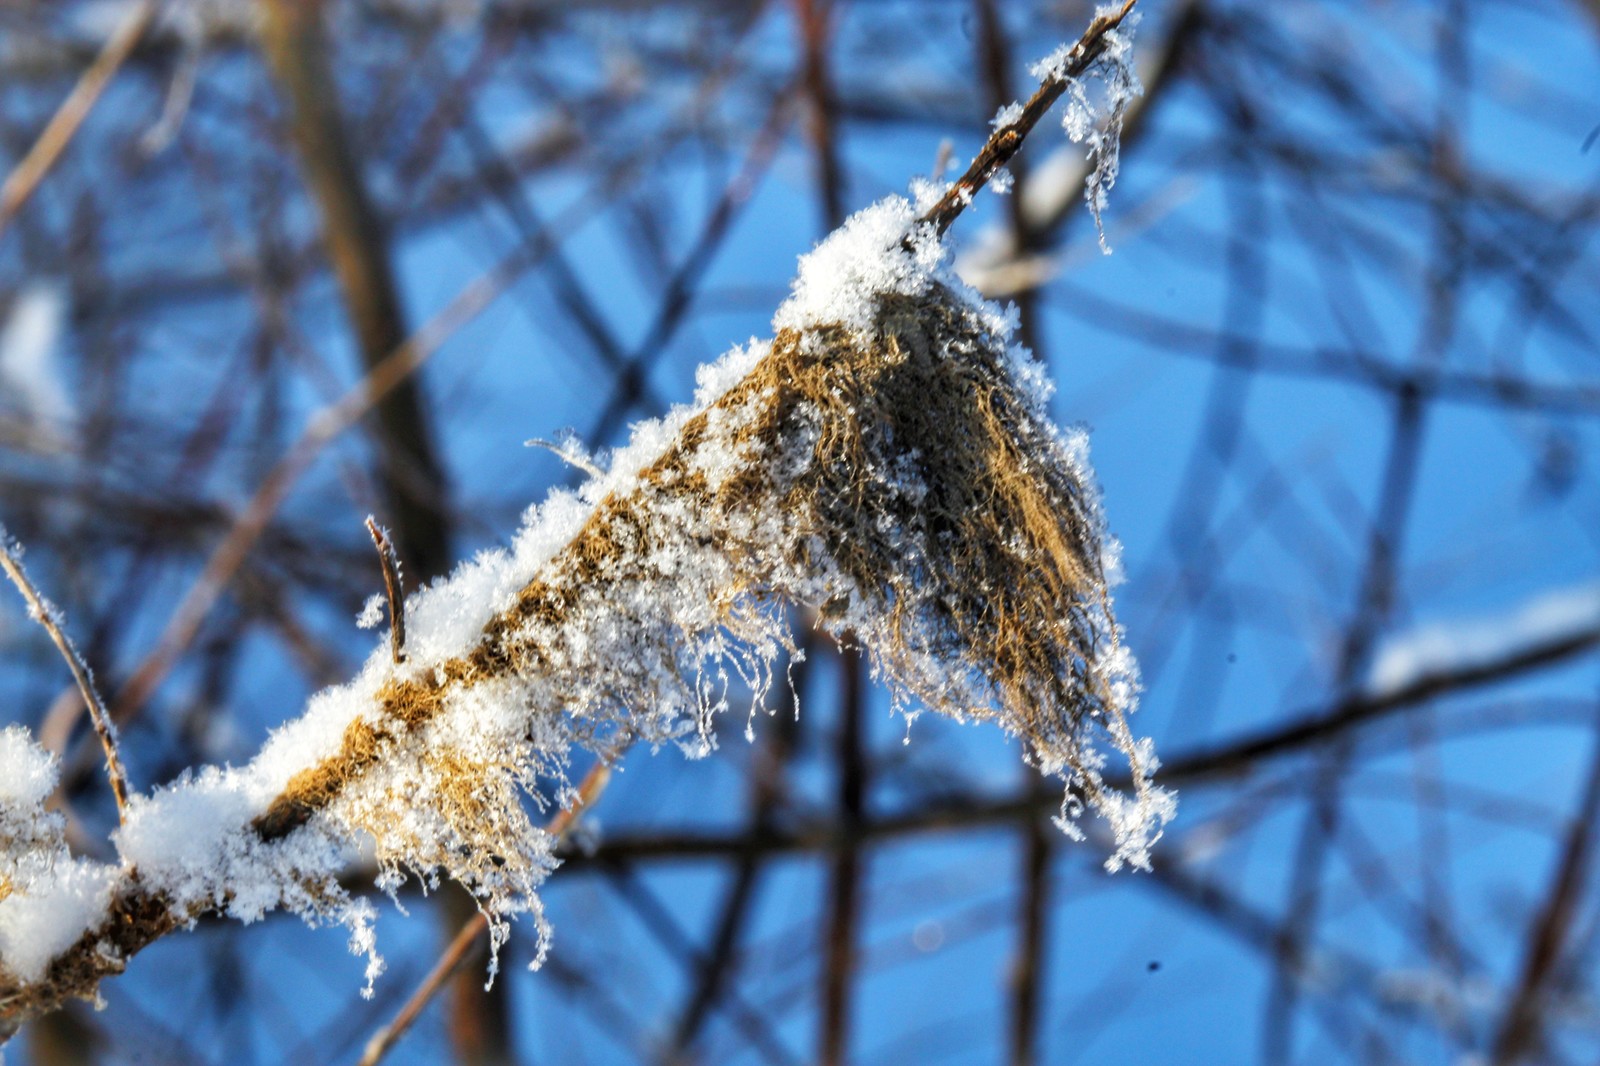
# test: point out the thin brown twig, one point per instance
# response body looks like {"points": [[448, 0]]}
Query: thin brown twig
{"points": [[63, 125], [384, 1040], [390, 560], [45, 613], [1005, 141]]}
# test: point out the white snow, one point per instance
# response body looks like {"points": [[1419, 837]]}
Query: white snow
{"points": [[47, 898], [371, 612], [1007, 115], [27, 771], [35, 927], [843, 278], [1440, 647], [29, 373]]}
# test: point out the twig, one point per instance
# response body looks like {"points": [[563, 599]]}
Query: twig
{"points": [[58, 133], [1005, 141], [45, 613], [392, 588], [384, 1040]]}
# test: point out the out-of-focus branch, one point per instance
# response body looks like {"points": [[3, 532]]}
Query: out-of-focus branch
{"points": [[1520, 1034], [844, 879], [815, 17], [1241, 754], [295, 44], [58, 133], [44, 612]]}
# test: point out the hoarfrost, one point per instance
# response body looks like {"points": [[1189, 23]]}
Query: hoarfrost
{"points": [[1098, 125], [371, 612], [1006, 115]]}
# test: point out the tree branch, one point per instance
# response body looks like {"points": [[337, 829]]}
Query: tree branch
{"points": [[58, 133]]}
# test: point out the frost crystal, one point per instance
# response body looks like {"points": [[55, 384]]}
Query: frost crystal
{"points": [[1006, 115], [1082, 119], [371, 612]]}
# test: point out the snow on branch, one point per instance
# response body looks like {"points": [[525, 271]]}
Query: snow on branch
{"points": [[885, 458]]}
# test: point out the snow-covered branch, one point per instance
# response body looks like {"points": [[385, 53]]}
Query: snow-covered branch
{"points": [[886, 459]]}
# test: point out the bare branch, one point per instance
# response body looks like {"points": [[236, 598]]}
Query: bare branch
{"points": [[842, 917], [1521, 1033], [58, 133]]}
